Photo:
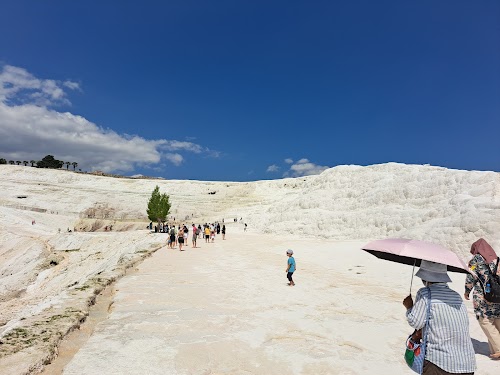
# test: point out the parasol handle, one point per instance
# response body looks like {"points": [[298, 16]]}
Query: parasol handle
{"points": [[412, 273]]}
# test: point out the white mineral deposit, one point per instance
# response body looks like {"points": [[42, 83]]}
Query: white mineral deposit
{"points": [[225, 307]]}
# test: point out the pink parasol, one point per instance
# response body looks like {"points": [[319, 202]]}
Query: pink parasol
{"points": [[412, 252]]}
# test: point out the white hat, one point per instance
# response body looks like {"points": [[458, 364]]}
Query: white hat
{"points": [[433, 272], [289, 251]]}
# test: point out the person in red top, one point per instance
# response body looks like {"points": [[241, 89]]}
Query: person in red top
{"points": [[195, 235]]}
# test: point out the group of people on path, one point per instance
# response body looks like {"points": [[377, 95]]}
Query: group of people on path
{"points": [[442, 315], [180, 235]]}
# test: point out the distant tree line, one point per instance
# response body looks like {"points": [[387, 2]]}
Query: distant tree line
{"points": [[47, 162]]}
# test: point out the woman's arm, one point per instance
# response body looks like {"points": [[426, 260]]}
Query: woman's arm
{"points": [[469, 285], [416, 315]]}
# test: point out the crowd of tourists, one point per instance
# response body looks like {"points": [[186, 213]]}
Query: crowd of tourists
{"points": [[179, 235]]}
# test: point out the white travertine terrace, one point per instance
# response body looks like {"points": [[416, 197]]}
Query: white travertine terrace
{"points": [[48, 279]]}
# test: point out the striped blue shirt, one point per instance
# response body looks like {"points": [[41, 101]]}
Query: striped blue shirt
{"points": [[449, 345]]}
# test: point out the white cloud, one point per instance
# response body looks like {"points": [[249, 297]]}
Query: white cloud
{"points": [[186, 146], [72, 85], [30, 130], [304, 167], [17, 84], [175, 159], [273, 168], [288, 161], [213, 153]]}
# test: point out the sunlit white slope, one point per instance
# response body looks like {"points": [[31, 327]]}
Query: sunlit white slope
{"points": [[452, 207], [350, 202]]}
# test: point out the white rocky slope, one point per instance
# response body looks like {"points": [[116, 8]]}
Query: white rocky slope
{"points": [[451, 207], [48, 279]]}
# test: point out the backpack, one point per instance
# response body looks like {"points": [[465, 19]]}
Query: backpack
{"points": [[491, 286], [172, 232]]}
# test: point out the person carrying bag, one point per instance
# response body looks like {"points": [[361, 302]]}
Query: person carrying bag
{"points": [[484, 282], [441, 313], [415, 346]]}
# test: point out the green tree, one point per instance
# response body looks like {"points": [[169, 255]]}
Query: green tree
{"points": [[18, 162], [3, 161], [32, 162], [68, 163], [12, 162], [50, 162], [25, 163], [158, 206], [74, 164]]}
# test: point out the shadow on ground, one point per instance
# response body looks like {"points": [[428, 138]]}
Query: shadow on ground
{"points": [[481, 347]]}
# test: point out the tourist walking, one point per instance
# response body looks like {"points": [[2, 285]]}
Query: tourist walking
{"points": [[290, 269], [207, 234], [195, 235], [180, 239], [449, 347], [185, 231], [483, 264], [224, 232], [172, 237]]}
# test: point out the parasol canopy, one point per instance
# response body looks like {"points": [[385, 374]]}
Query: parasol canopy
{"points": [[412, 252]]}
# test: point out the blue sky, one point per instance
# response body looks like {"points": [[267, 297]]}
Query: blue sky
{"points": [[248, 90]]}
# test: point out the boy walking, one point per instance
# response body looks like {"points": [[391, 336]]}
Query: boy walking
{"points": [[291, 267]]}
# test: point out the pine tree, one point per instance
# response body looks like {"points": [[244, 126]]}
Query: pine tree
{"points": [[50, 162], [158, 206]]}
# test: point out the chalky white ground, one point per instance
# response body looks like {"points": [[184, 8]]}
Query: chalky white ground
{"points": [[225, 308]]}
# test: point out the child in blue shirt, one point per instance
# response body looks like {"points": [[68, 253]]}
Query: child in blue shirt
{"points": [[291, 267]]}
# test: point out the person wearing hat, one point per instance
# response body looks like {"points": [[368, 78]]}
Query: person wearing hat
{"points": [[449, 347], [291, 267]]}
